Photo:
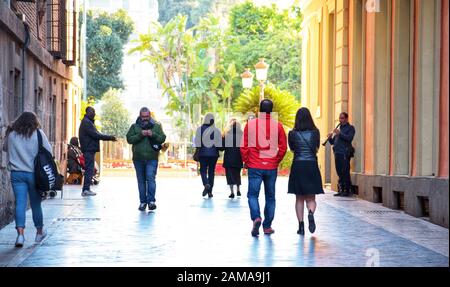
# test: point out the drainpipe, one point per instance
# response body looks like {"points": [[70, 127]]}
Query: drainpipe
{"points": [[25, 47]]}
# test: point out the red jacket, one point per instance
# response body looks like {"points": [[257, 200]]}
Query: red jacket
{"points": [[264, 143]]}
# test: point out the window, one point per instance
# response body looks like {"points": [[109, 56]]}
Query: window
{"points": [[55, 27], [52, 120], [18, 100], [64, 120]]}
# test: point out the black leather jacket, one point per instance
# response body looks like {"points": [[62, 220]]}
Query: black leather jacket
{"points": [[304, 148]]}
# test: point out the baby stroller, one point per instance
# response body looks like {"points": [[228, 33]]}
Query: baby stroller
{"points": [[76, 165]]}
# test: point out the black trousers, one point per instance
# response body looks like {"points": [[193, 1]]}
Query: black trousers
{"points": [[89, 165], [207, 169], [343, 170]]}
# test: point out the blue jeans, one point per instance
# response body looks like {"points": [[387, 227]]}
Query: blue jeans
{"points": [[146, 174], [22, 183], [255, 178]]}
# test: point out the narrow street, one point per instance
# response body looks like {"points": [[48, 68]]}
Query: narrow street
{"points": [[188, 230]]}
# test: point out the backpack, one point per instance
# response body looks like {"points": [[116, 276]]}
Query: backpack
{"points": [[46, 173]]}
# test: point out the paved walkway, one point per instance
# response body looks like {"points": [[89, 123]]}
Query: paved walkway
{"points": [[188, 230]]}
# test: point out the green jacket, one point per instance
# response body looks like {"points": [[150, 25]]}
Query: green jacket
{"points": [[142, 149]]}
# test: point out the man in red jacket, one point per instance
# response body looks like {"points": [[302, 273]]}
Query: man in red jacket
{"points": [[263, 147]]}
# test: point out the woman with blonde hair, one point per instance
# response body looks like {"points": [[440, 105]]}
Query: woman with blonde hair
{"points": [[232, 160]]}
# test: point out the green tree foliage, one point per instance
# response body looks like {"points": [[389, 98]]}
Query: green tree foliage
{"points": [[107, 34], [199, 67], [169, 49], [192, 9], [115, 118], [265, 32]]}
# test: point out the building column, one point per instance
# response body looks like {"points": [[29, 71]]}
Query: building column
{"points": [[444, 94]]}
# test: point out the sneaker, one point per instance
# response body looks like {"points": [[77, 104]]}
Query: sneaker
{"points": [[40, 237], [206, 189], [142, 206], [231, 196], [88, 193], [268, 231], [151, 206], [20, 240], [256, 225]]}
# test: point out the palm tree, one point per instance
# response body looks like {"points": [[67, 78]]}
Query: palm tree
{"points": [[284, 103]]}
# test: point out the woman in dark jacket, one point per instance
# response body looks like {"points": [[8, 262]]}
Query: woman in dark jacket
{"points": [[208, 140], [232, 160], [305, 180]]}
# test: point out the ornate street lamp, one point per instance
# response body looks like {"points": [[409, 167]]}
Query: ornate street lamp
{"points": [[261, 75], [247, 79]]}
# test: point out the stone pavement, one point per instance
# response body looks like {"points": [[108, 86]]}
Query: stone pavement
{"points": [[188, 230]]}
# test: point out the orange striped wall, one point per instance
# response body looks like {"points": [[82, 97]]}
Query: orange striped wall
{"points": [[369, 95]]}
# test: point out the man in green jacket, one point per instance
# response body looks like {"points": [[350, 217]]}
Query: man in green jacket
{"points": [[146, 136]]}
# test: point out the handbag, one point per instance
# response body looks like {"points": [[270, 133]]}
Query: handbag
{"points": [[196, 156], [47, 176]]}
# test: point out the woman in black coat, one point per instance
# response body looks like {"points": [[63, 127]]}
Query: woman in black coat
{"points": [[232, 161], [208, 142], [305, 180]]}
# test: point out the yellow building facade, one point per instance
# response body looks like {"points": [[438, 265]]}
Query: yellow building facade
{"points": [[385, 62]]}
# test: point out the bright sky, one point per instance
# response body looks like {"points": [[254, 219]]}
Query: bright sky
{"points": [[282, 4]]}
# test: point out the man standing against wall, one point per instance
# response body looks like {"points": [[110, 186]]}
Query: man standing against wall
{"points": [[90, 139], [341, 138]]}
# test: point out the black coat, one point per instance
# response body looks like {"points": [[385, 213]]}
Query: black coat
{"points": [[90, 137], [212, 147], [343, 142], [231, 145]]}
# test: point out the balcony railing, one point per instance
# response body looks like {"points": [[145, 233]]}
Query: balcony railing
{"points": [[62, 29]]}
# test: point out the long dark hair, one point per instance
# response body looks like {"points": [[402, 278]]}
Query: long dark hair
{"points": [[304, 121], [25, 124]]}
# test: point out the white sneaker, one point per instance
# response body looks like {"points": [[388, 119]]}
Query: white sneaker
{"points": [[40, 237], [20, 240], [88, 193]]}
